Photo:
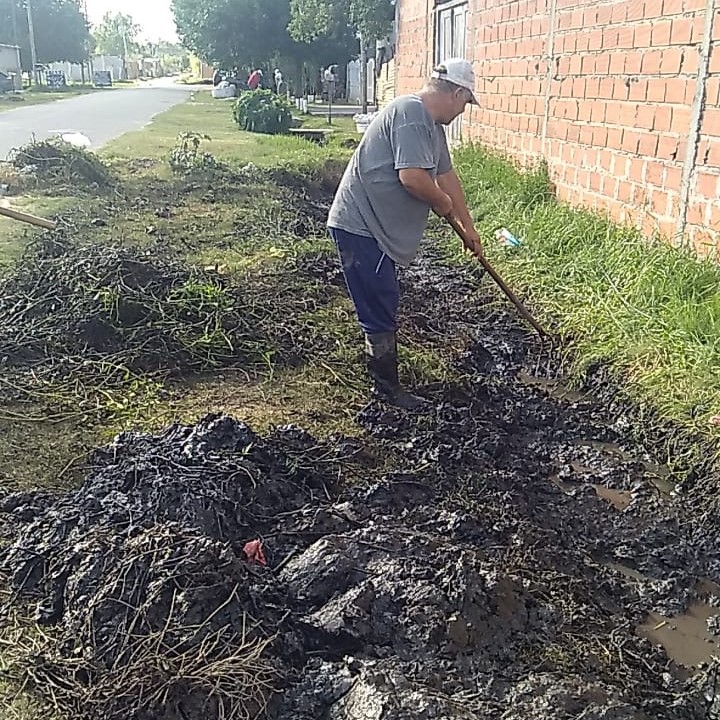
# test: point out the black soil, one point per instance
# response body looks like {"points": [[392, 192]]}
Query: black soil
{"points": [[468, 563]]}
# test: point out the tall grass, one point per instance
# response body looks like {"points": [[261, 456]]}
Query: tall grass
{"points": [[649, 310]]}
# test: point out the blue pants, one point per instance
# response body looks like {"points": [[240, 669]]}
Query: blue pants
{"points": [[371, 280]]}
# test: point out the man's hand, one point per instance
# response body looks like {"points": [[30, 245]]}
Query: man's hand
{"points": [[443, 206], [472, 242]]}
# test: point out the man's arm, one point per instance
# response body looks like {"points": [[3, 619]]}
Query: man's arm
{"points": [[420, 185], [449, 183]]}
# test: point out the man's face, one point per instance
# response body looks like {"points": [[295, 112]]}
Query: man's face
{"points": [[455, 104]]}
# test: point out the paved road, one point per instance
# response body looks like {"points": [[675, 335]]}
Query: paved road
{"points": [[100, 116]]}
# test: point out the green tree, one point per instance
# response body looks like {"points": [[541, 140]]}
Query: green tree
{"points": [[61, 30], [116, 35], [314, 19], [254, 33], [232, 33]]}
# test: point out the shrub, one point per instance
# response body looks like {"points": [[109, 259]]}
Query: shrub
{"points": [[186, 156], [262, 111]]}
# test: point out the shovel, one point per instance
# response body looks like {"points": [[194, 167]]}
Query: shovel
{"points": [[30, 219], [524, 312]]}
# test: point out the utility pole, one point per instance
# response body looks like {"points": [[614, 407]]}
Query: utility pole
{"points": [[363, 76], [13, 15], [125, 52], [33, 51]]}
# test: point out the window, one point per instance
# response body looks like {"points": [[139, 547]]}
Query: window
{"points": [[450, 34], [450, 25]]}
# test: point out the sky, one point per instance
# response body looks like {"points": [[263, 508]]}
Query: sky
{"points": [[154, 16]]}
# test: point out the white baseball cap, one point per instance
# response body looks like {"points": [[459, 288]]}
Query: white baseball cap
{"points": [[457, 71]]}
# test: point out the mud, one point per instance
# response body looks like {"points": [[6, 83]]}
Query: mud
{"points": [[502, 557]]}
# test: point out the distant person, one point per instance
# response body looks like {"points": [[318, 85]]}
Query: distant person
{"points": [[279, 83], [255, 79], [217, 77]]}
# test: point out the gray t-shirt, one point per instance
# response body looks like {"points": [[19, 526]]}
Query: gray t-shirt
{"points": [[371, 201]]}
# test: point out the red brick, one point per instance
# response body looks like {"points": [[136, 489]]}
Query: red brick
{"points": [[673, 178], [672, 7], [715, 58], [617, 63], [639, 90], [712, 90], [605, 39], [656, 90], [680, 120], [607, 88], [615, 138], [667, 148], [681, 32], [642, 35], [633, 62], [707, 184], [646, 117], [654, 174], [675, 90], [696, 213], [637, 170], [651, 62], [597, 111], [711, 121], [659, 202], [604, 15], [671, 61], [624, 191], [618, 12], [648, 144], [661, 32], [631, 141], [690, 62]]}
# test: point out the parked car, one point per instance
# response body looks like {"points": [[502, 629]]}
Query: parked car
{"points": [[6, 83]]}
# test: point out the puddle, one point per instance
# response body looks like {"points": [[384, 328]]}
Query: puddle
{"points": [[628, 572], [685, 638], [619, 499], [554, 388]]}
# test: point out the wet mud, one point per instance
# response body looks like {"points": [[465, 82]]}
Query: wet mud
{"points": [[505, 556]]}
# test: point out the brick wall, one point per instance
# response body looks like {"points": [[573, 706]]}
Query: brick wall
{"points": [[621, 97]]}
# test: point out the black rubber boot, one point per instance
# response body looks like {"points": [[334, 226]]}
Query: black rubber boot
{"points": [[382, 364]]}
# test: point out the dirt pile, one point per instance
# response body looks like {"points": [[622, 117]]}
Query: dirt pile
{"points": [[499, 566], [54, 163], [97, 317]]}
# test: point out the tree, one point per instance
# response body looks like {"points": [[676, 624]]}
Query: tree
{"points": [[254, 33], [61, 30], [233, 33], [314, 19], [116, 35]]}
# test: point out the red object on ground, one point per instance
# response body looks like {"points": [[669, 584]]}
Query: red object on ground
{"points": [[254, 552]]}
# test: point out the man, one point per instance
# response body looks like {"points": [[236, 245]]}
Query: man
{"points": [[255, 79], [279, 83], [399, 172]]}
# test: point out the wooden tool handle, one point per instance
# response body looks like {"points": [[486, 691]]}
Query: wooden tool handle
{"points": [[524, 312], [30, 219]]}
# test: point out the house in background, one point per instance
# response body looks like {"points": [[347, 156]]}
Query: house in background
{"points": [[10, 64], [621, 98]]}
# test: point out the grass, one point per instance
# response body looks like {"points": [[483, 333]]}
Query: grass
{"points": [[648, 310], [213, 117], [14, 235]]}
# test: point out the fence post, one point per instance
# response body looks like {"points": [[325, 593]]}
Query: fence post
{"points": [[696, 111]]}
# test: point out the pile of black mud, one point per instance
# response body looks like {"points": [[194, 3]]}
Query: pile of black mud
{"points": [[502, 560]]}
